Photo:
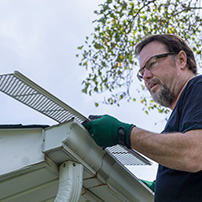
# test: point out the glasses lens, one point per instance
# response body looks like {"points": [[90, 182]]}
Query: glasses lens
{"points": [[152, 63], [140, 74]]}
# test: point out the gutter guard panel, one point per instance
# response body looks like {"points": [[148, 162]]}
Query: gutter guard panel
{"points": [[29, 93]]}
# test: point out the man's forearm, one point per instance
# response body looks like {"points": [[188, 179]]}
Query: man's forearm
{"points": [[174, 150], [180, 151]]}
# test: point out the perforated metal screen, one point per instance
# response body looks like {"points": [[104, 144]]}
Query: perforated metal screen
{"points": [[126, 156], [29, 93], [24, 90]]}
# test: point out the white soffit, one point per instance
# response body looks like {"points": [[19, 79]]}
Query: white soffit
{"points": [[29, 93]]}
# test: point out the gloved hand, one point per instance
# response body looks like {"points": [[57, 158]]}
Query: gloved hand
{"points": [[108, 131], [151, 185]]}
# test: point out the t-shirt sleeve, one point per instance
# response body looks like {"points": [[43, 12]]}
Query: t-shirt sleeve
{"points": [[191, 108]]}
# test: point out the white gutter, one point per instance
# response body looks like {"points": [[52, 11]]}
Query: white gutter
{"points": [[102, 176]]}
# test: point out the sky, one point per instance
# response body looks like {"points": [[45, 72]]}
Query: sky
{"points": [[40, 39]]}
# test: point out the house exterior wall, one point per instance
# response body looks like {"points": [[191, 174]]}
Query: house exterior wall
{"points": [[20, 148]]}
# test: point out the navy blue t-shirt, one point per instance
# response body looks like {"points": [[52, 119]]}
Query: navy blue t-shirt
{"points": [[173, 185]]}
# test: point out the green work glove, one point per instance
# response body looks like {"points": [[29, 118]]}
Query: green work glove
{"points": [[151, 185], [108, 131]]}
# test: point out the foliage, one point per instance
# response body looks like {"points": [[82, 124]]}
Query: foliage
{"points": [[108, 54]]}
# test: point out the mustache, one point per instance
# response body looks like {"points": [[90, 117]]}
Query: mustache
{"points": [[153, 81]]}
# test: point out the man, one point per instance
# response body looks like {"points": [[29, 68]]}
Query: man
{"points": [[168, 68]]}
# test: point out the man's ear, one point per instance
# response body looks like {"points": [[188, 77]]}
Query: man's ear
{"points": [[182, 59]]}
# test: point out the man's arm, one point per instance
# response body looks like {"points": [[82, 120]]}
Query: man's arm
{"points": [[180, 151]]}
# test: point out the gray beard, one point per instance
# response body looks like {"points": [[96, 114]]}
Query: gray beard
{"points": [[165, 97]]}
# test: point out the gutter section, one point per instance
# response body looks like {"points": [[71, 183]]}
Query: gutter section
{"points": [[102, 175]]}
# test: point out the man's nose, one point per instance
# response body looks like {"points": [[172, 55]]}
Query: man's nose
{"points": [[147, 75]]}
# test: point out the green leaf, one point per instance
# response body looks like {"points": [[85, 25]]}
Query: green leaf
{"points": [[80, 47], [108, 53]]}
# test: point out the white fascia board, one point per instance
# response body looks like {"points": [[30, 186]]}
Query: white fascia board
{"points": [[70, 141], [20, 148]]}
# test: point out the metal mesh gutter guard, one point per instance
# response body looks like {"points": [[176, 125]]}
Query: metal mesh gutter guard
{"points": [[29, 93]]}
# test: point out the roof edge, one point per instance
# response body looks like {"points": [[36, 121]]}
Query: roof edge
{"points": [[13, 126]]}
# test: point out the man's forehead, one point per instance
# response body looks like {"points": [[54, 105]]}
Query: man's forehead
{"points": [[151, 49]]}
